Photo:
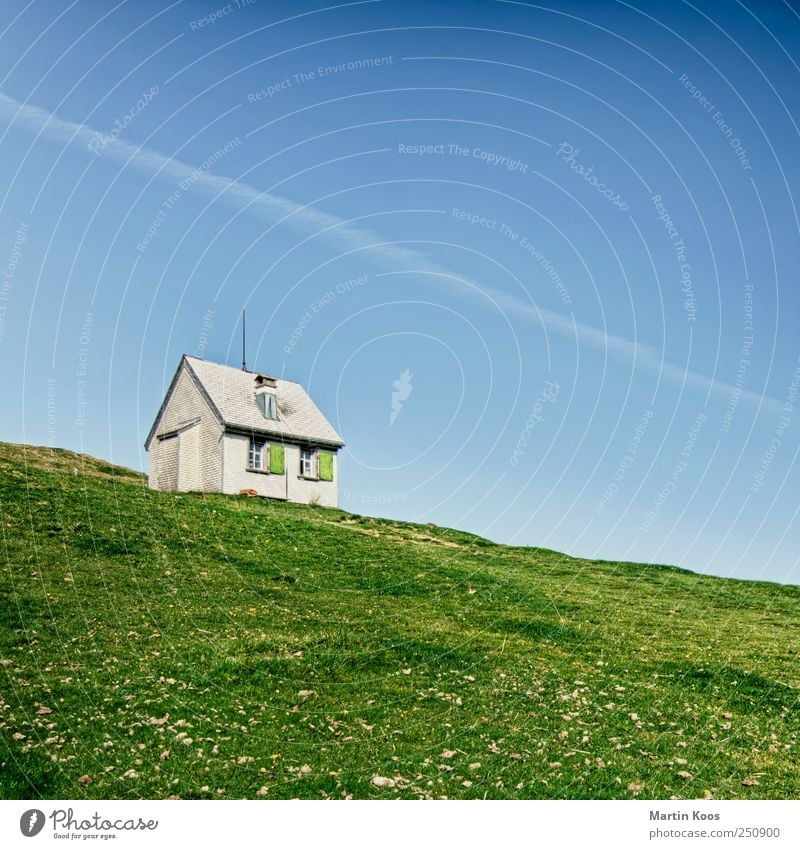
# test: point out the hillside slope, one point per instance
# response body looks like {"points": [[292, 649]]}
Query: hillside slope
{"points": [[160, 644]]}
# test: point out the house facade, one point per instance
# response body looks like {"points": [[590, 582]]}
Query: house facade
{"points": [[222, 429]]}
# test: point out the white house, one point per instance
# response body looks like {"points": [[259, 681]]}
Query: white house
{"points": [[222, 429]]}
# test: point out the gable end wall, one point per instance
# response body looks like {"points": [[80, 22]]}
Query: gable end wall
{"points": [[200, 465]]}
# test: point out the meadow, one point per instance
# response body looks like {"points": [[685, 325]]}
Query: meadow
{"points": [[157, 645]]}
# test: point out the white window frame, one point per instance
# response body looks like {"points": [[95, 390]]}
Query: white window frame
{"points": [[262, 455], [313, 464], [272, 406]]}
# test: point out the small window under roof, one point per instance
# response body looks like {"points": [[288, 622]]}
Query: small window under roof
{"points": [[267, 402]]}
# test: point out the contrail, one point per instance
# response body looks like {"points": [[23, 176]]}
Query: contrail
{"points": [[337, 232]]}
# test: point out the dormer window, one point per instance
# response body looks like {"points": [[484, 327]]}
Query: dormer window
{"points": [[268, 403]]}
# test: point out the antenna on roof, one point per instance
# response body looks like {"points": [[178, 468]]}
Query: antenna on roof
{"points": [[244, 339]]}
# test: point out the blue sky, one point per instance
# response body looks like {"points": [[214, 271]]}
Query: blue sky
{"points": [[574, 228]]}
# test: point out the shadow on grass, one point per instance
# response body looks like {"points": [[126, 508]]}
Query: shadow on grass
{"points": [[538, 630], [741, 691], [26, 775]]}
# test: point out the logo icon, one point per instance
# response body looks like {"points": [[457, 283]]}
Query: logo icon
{"points": [[31, 822], [402, 389]]}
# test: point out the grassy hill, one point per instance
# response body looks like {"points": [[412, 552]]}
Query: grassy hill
{"points": [[206, 646]]}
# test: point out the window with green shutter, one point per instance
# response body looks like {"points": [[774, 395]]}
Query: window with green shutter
{"points": [[325, 466], [276, 459]]}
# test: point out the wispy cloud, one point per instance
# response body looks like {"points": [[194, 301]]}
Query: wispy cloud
{"points": [[341, 235]]}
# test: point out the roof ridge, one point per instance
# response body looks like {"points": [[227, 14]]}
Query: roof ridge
{"points": [[237, 369]]}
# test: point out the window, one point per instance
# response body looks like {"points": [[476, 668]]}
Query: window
{"points": [[256, 458], [268, 404], [308, 463]]}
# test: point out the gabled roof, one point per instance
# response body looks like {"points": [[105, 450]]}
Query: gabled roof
{"points": [[230, 393]]}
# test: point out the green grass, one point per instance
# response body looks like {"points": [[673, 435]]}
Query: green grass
{"points": [[206, 646]]}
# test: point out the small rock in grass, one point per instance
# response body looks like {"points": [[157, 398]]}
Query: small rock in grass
{"points": [[475, 766], [684, 774], [85, 779], [382, 781], [43, 711], [262, 791], [304, 694], [448, 753]]}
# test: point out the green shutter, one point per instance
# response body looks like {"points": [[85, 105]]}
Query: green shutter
{"points": [[276, 459], [325, 466]]}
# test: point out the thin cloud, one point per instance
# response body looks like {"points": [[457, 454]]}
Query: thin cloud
{"points": [[341, 235]]}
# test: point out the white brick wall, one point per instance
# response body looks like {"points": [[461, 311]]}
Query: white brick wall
{"points": [[189, 466], [289, 485], [235, 475], [303, 490], [197, 459], [164, 464]]}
